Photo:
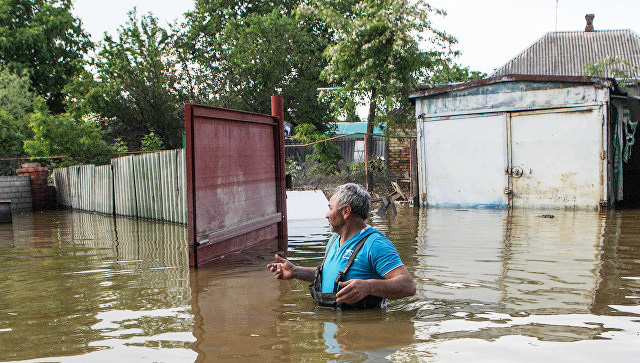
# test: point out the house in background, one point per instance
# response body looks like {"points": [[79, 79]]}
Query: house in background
{"points": [[565, 53], [536, 133], [396, 151], [352, 146]]}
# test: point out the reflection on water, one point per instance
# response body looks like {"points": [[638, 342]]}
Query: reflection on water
{"points": [[493, 285], [551, 264], [93, 287], [522, 286]]}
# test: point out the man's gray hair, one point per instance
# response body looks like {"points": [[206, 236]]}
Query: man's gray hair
{"points": [[353, 195]]}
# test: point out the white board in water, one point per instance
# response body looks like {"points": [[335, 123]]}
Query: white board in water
{"points": [[306, 204]]}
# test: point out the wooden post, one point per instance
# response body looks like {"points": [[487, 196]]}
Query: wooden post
{"points": [[366, 161], [413, 171]]}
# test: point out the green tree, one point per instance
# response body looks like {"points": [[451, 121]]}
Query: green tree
{"points": [[136, 89], [15, 104], [151, 142], [200, 48], [449, 72], [78, 140], [376, 57], [325, 154], [247, 51], [43, 38], [614, 67]]}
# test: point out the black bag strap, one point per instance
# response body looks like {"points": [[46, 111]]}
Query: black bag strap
{"points": [[319, 267], [349, 263], [335, 237]]}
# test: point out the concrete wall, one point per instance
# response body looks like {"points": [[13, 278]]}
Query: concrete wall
{"points": [[16, 189]]}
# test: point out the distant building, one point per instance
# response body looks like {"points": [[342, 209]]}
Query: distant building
{"points": [[565, 53], [529, 141], [352, 146]]}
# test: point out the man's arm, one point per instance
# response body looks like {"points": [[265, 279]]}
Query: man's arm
{"points": [[397, 284], [285, 270]]}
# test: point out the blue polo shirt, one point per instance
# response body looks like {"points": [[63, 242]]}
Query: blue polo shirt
{"points": [[376, 257]]}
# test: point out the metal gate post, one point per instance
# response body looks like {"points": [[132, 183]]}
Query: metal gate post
{"points": [[277, 110]]}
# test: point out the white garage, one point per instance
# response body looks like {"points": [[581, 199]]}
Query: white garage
{"points": [[527, 141]]}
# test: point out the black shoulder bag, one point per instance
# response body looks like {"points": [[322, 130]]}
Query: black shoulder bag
{"points": [[329, 299]]}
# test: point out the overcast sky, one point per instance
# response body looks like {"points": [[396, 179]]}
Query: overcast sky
{"points": [[489, 32]]}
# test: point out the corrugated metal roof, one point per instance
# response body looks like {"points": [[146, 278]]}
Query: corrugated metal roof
{"points": [[566, 53], [343, 128]]}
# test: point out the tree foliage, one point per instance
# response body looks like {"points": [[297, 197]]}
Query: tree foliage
{"points": [[376, 57], [136, 89], [15, 104], [614, 67], [43, 39], [227, 53], [325, 154], [449, 72], [151, 142], [78, 140], [247, 51]]}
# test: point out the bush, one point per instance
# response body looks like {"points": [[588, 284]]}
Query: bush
{"points": [[325, 155], [151, 142], [79, 141]]}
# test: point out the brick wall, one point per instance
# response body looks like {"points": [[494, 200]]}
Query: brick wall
{"points": [[38, 176], [398, 163], [16, 189]]}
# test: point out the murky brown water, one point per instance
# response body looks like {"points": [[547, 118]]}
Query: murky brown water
{"points": [[492, 286]]}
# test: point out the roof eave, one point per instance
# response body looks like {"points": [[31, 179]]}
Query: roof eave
{"points": [[605, 82]]}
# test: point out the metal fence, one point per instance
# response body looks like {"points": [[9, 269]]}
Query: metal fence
{"points": [[151, 186], [352, 150]]}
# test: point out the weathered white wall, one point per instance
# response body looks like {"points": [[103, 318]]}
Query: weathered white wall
{"points": [[559, 154], [463, 160], [510, 97], [306, 204], [469, 141]]}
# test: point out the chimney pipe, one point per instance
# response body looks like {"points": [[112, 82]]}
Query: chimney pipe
{"points": [[589, 27]]}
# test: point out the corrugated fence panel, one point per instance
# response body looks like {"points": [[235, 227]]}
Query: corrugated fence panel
{"points": [[103, 184], [74, 184], [151, 186], [156, 181], [172, 192], [65, 173], [142, 185], [166, 181], [82, 187], [182, 186], [137, 186], [87, 190], [172, 186], [124, 186], [61, 181]]}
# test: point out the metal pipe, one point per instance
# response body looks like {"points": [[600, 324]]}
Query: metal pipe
{"points": [[277, 110]]}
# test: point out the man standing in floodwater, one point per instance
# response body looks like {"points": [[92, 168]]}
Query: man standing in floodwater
{"points": [[361, 267]]}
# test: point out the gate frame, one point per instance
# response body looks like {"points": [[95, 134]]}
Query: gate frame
{"points": [[230, 232]]}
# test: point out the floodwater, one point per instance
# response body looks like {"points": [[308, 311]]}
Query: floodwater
{"points": [[493, 286]]}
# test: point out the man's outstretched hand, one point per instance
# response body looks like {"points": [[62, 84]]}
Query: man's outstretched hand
{"points": [[282, 269]]}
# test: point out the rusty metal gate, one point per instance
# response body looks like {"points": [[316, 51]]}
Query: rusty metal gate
{"points": [[236, 196]]}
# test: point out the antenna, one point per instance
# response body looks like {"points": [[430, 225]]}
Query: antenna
{"points": [[556, 15]]}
